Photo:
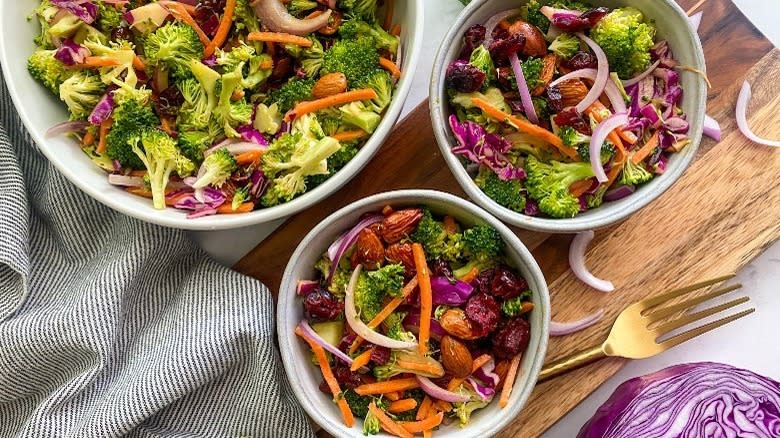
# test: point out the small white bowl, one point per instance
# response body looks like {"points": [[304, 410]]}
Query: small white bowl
{"points": [[305, 378], [40, 110], [672, 25]]}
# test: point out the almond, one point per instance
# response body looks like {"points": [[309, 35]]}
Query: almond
{"points": [[400, 253], [572, 92], [547, 73], [454, 322], [456, 357], [535, 44], [400, 224], [369, 250], [330, 84]]}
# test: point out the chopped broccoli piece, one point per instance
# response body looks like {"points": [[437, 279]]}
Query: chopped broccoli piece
{"points": [[299, 7], [124, 52], [231, 114], [356, 113], [160, 157], [335, 163], [66, 27], [565, 45], [431, 234], [244, 17], [353, 29], [45, 13], [382, 83], [219, 165], [418, 395], [596, 199], [358, 404], [531, 12], [371, 425], [199, 95], [48, 70], [235, 58], [506, 193], [492, 95], [130, 120], [294, 91], [514, 306], [363, 9], [357, 59], [482, 242], [532, 70], [572, 138], [634, 174], [626, 40], [311, 57], [464, 410], [193, 143], [109, 17], [81, 92], [481, 59], [607, 152], [240, 196], [548, 184], [373, 286], [174, 45], [389, 278], [395, 328], [268, 119]]}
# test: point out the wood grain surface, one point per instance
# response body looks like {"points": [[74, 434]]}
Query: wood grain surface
{"points": [[722, 213]]}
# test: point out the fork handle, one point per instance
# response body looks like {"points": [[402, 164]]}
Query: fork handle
{"points": [[571, 362]]}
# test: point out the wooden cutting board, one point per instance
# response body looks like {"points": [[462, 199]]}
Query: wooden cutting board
{"points": [[721, 214]]}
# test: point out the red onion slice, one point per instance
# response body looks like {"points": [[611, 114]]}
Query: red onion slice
{"points": [[66, 128], [493, 21], [566, 328], [304, 287], [440, 393], [340, 246], [360, 328], [635, 80], [695, 20], [125, 180], [577, 263], [600, 134], [601, 77], [611, 89], [618, 193], [742, 103], [522, 87], [306, 328], [712, 128]]}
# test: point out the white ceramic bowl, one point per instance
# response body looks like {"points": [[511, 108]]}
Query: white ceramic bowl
{"points": [[39, 110], [672, 25], [306, 378]]}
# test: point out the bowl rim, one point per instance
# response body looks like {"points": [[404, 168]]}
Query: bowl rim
{"points": [[439, 112], [114, 200], [285, 302]]}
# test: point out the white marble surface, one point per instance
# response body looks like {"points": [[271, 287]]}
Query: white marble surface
{"points": [[749, 343]]}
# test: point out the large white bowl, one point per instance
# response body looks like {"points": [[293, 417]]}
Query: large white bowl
{"points": [[306, 378], [39, 110], [672, 25]]}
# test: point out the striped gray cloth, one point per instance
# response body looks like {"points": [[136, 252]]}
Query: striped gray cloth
{"points": [[114, 327]]}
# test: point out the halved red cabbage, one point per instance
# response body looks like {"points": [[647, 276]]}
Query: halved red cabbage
{"points": [[480, 147], [249, 133], [103, 109], [448, 293], [70, 53], [692, 400]]}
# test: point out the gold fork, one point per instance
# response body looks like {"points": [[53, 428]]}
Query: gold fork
{"points": [[637, 330]]}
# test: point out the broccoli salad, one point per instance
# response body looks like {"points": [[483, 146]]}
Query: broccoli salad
{"points": [[558, 106], [415, 321], [218, 106]]}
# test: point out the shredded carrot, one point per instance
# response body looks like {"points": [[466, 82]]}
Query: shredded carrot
{"points": [[387, 386], [280, 37], [237, 95], [248, 158], [138, 63], [449, 225], [480, 361], [525, 126], [103, 132], [388, 14], [227, 208], [345, 136], [222, 31], [393, 396], [395, 30], [427, 434], [404, 405], [425, 368], [453, 384], [387, 210], [390, 67], [426, 297], [509, 381], [89, 139], [645, 150], [425, 408], [267, 64], [423, 425], [596, 109], [327, 102], [471, 275], [98, 61], [386, 311], [387, 423], [442, 406], [166, 126], [578, 188], [362, 360], [327, 374], [526, 306]]}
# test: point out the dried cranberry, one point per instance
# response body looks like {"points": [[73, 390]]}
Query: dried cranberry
{"points": [[501, 48], [506, 284], [473, 37], [169, 102], [380, 355], [282, 67], [570, 117], [516, 105], [122, 33], [321, 305], [441, 268], [586, 20], [555, 99], [581, 60], [347, 379], [324, 388], [464, 77], [207, 14], [483, 310], [511, 338], [504, 77], [346, 342], [484, 281]]}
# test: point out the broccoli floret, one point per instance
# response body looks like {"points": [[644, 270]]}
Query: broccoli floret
{"points": [[268, 119], [607, 152], [299, 7], [572, 138], [548, 185], [309, 126], [244, 17], [294, 91], [356, 114], [437, 243], [634, 174], [174, 45], [389, 278], [395, 329], [565, 45], [231, 114], [109, 17], [311, 57], [81, 92], [308, 157], [48, 70], [130, 120], [335, 163], [393, 368], [160, 158], [66, 27], [532, 70], [353, 29], [371, 425], [219, 165], [199, 95], [505, 193], [531, 12], [372, 288], [596, 199], [481, 59], [193, 143], [363, 9], [626, 40], [235, 58], [124, 52], [514, 306], [45, 12], [464, 410], [358, 404], [357, 59], [339, 282], [492, 95], [382, 83], [482, 242]]}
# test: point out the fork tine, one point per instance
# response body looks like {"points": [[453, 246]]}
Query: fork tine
{"points": [[690, 334], [656, 315], [687, 319], [656, 300]]}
